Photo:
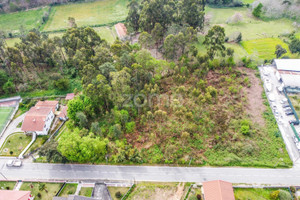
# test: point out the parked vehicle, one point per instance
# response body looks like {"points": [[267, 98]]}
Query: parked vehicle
{"points": [[288, 110], [289, 113], [14, 163], [285, 105], [295, 139], [283, 101]]}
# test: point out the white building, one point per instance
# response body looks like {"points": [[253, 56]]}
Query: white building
{"points": [[288, 71]]}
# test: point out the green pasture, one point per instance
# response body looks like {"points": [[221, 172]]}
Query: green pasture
{"points": [[264, 48], [85, 14], [28, 19]]}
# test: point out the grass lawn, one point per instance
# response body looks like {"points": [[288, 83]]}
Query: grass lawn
{"points": [[114, 190], [298, 35], [7, 185], [253, 193], [40, 140], [5, 113], [15, 143], [47, 193], [12, 41], [28, 19], [86, 191], [193, 193], [70, 188], [91, 13], [264, 48]]}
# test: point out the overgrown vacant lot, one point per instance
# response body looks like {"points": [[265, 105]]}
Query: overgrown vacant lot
{"points": [[264, 48], [212, 124], [28, 19], [157, 191], [98, 12]]}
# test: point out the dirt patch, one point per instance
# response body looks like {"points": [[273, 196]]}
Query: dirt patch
{"points": [[255, 107]]}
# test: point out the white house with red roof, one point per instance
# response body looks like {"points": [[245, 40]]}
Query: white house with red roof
{"points": [[39, 118], [15, 195]]}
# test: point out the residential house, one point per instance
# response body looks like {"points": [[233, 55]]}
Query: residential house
{"points": [[15, 195], [218, 190]]}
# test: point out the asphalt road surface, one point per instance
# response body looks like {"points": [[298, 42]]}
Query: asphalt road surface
{"points": [[38, 171]]}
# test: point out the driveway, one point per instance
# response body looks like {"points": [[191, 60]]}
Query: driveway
{"points": [[12, 128]]}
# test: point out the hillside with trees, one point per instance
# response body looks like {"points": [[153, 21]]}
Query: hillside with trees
{"points": [[132, 108]]}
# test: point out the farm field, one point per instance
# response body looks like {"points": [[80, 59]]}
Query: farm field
{"points": [[264, 48], [254, 193], [85, 14], [14, 144], [28, 19], [46, 190], [5, 113]]}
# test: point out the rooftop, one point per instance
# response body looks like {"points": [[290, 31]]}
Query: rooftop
{"points": [[288, 64], [49, 104], [70, 96], [218, 190], [35, 119], [14, 195]]}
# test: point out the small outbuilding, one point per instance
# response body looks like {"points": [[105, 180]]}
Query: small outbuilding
{"points": [[218, 190], [70, 96]]}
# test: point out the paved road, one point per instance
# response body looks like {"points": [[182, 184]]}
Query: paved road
{"points": [[38, 171]]}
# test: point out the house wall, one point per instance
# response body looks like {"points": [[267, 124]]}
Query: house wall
{"points": [[48, 122]]}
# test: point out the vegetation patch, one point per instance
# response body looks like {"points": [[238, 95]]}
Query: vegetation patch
{"points": [[69, 189], [117, 192], [262, 194], [91, 13], [41, 191], [7, 185], [264, 48], [14, 144], [86, 191]]}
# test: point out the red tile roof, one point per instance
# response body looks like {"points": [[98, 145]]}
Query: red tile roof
{"points": [[49, 104], [35, 119], [14, 195], [70, 96], [121, 30], [63, 112], [218, 190]]}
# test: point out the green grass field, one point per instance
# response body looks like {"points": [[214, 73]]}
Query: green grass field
{"points": [[5, 113], [251, 28], [264, 48], [7, 185], [98, 12], [47, 193], [28, 19], [15, 143], [253, 193]]}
